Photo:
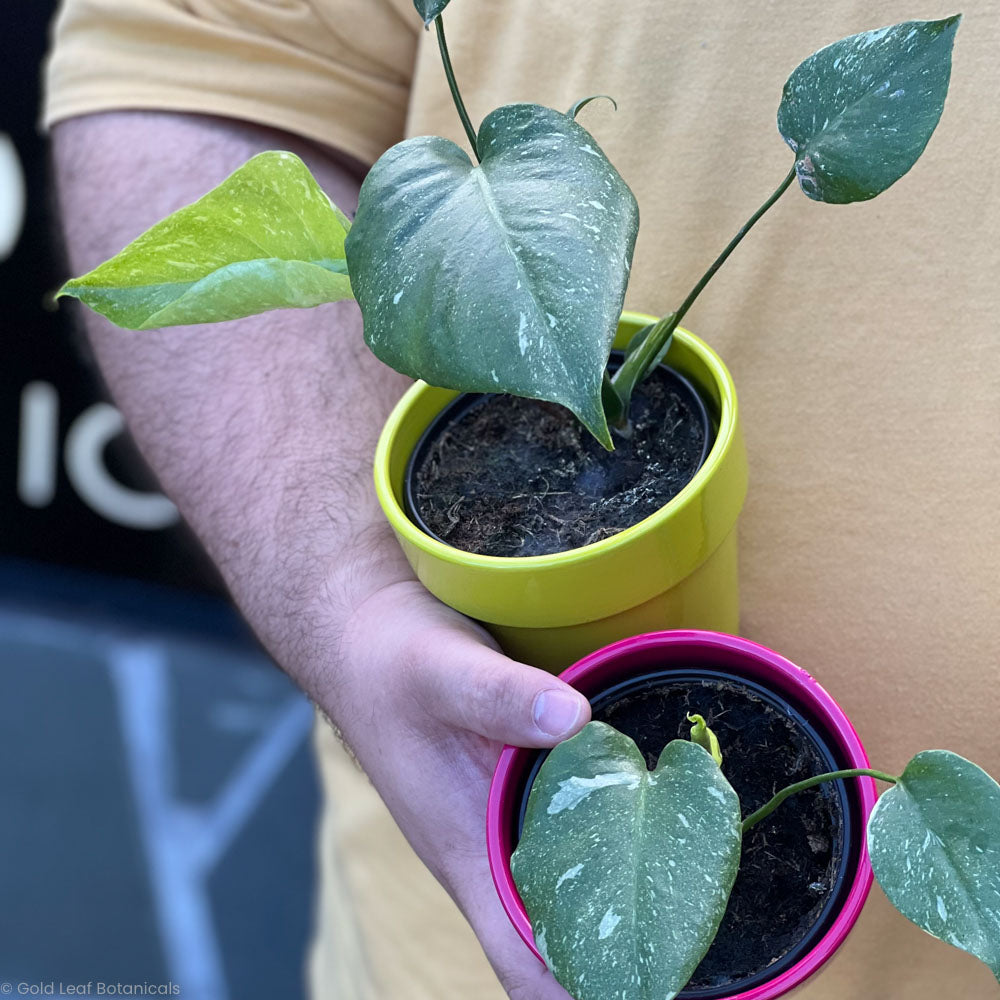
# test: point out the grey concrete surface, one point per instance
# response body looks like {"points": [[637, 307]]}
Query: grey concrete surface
{"points": [[157, 809]]}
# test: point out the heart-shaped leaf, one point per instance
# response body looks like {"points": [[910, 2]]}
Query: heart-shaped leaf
{"points": [[859, 112], [266, 238], [429, 9], [503, 277], [625, 873], [934, 840]]}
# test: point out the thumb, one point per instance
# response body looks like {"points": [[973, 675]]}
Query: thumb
{"points": [[464, 683]]}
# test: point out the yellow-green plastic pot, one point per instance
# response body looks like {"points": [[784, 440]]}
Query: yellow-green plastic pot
{"points": [[675, 569]]}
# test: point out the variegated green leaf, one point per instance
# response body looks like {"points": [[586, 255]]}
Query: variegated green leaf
{"points": [[508, 276], [934, 840], [429, 9], [626, 873], [859, 112], [266, 238]]}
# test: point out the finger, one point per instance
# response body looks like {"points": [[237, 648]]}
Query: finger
{"points": [[520, 972], [463, 683]]}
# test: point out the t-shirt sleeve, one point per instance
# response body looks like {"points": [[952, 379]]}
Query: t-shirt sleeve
{"points": [[336, 71]]}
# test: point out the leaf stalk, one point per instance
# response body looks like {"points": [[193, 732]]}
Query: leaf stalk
{"points": [[456, 96], [855, 772], [637, 366], [733, 244]]}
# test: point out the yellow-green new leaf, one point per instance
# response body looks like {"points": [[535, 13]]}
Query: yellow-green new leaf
{"points": [[266, 238]]}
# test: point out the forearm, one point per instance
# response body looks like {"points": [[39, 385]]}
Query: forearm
{"points": [[261, 430]]}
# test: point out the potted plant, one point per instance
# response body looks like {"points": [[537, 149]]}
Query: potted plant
{"points": [[505, 274], [677, 566], [627, 872]]}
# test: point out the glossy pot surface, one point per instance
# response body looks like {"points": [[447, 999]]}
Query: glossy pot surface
{"points": [[616, 664], [677, 568]]}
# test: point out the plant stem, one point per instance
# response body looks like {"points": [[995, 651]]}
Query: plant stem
{"points": [[663, 330], [733, 244], [613, 408], [858, 772], [449, 72]]}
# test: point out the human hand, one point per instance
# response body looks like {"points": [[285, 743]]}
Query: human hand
{"points": [[425, 700]]}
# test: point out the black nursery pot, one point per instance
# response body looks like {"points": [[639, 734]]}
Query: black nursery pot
{"points": [[507, 476], [804, 873]]}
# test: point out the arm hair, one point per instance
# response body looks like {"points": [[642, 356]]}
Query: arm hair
{"points": [[261, 430]]}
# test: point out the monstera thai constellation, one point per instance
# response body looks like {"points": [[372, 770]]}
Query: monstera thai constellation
{"points": [[506, 271], [626, 872]]}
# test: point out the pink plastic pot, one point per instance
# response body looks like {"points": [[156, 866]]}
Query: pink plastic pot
{"points": [[683, 650]]}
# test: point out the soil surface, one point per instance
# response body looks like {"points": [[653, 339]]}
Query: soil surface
{"points": [[520, 477], [790, 860]]}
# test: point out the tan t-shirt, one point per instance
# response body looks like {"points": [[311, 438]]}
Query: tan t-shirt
{"points": [[863, 340]]}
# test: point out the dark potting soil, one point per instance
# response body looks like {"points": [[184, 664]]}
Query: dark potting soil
{"points": [[520, 477], [790, 860]]}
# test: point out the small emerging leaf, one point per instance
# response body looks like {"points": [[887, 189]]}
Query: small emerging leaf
{"points": [[429, 9], [705, 738], [508, 276], [934, 840], [638, 339], [584, 101], [266, 238], [859, 112], [634, 367], [626, 873]]}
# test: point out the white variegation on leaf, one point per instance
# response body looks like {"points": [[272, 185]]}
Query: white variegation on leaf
{"points": [[626, 872], [934, 841], [508, 276], [266, 238], [429, 9], [858, 113]]}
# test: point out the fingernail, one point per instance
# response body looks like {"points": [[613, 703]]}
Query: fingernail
{"points": [[556, 712]]}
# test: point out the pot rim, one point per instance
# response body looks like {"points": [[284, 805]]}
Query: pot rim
{"points": [[472, 399], [758, 663], [597, 581], [404, 526]]}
